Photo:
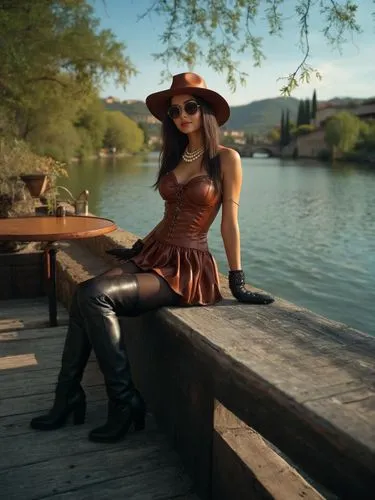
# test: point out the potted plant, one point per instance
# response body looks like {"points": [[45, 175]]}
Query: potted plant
{"points": [[41, 174], [18, 166], [35, 183]]}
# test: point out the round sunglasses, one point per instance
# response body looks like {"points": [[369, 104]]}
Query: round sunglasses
{"points": [[190, 108]]}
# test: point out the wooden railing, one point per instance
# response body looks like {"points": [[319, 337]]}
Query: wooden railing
{"points": [[260, 402]]}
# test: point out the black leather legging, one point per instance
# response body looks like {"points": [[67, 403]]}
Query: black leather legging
{"points": [[94, 323]]}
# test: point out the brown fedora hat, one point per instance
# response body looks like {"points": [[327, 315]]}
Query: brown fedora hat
{"points": [[188, 83]]}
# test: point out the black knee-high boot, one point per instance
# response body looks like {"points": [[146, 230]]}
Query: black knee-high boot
{"points": [[100, 300], [69, 395]]}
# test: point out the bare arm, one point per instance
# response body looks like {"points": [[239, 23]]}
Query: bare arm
{"points": [[230, 231], [232, 182]]}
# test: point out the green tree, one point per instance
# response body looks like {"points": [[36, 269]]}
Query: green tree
{"points": [[282, 130], [342, 132], [92, 125], [287, 128], [367, 137], [53, 50], [146, 135], [60, 140], [274, 135], [304, 130], [300, 113], [217, 31], [122, 133], [314, 106], [307, 112], [43, 116]]}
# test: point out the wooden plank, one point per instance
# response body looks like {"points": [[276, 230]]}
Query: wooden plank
{"points": [[75, 468], [294, 368], [244, 466], [28, 313], [41, 402], [163, 484], [275, 364], [30, 354], [15, 425], [17, 361], [35, 464], [15, 384], [34, 446], [32, 334]]}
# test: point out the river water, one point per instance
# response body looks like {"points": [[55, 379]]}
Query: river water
{"points": [[307, 228]]}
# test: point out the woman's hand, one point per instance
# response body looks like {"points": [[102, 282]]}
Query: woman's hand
{"points": [[127, 253], [239, 291]]}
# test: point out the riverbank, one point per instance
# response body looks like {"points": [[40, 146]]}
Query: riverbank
{"points": [[360, 157], [104, 156]]}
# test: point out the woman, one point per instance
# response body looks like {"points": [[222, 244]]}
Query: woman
{"points": [[171, 266]]}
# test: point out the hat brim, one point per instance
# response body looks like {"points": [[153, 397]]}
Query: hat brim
{"points": [[158, 102]]}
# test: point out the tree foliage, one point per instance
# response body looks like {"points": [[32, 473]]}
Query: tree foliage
{"points": [[46, 40], [54, 58], [314, 105], [287, 128], [301, 113], [304, 129], [91, 124], [122, 133], [342, 132], [366, 139], [218, 31], [274, 135], [307, 116], [282, 129]]}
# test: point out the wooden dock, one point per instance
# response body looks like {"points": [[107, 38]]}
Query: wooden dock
{"points": [[63, 464]]}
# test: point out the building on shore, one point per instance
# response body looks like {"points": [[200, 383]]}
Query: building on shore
{"points": [[313, 144]]}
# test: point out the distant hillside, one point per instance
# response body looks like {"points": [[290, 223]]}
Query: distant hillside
{"points": [[130, 108], [259, 116], [343, 101]]}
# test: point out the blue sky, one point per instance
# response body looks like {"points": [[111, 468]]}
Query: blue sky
{"points": [[351, 73]]}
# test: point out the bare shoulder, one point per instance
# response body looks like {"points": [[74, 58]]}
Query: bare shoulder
{"points": [[230, 161], [229, 155]]}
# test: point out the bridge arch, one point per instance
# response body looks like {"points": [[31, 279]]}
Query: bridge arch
{"points": [[262, 149]]}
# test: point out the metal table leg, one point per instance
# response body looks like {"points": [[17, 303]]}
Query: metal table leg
{"points": [[50, 255]]}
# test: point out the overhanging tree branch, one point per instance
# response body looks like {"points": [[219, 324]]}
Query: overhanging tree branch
{"points": [[222, 29]]}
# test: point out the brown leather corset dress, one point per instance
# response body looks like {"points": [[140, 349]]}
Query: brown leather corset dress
{"points": [[177, 250]]}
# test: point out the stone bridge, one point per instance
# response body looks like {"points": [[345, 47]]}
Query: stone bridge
{"points": [[252, 149]]}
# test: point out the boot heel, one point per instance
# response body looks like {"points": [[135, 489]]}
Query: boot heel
{"points": [[79, 413]]}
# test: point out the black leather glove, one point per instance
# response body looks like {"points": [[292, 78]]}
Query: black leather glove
{"points": [[127, 253], [237, 287]]}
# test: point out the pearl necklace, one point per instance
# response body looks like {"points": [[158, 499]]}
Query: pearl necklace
{"points": [[188, 157]]}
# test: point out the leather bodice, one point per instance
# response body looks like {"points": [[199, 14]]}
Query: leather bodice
{"points": [[190, 209]]}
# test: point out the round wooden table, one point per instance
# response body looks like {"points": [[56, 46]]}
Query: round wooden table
{"points": [[52, 230]]}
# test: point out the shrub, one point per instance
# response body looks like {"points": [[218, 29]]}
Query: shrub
{"points": [[304, 130]]}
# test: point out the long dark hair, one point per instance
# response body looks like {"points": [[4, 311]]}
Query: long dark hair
{"points": [[175, 142]]}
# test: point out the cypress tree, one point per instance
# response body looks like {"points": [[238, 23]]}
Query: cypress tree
{"points": [[282, 130], [300, 114], [307, 114], [314, 106], [287, 129]]}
